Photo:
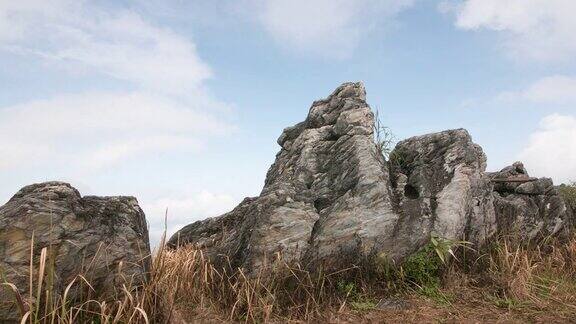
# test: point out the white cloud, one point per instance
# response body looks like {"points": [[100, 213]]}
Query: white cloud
{"points": [[535, 29], [160, 102], [551, 151], [184, 209], [330, 28], [99, 129], [557, 89], [168, 109], [113, 42]]}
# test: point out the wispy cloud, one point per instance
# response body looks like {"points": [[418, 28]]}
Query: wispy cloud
{"points": [[150, 98], [95, 130], [556, 90], [545, 94], [168, 107], [328, 28], [113, 42], [541, 30]]}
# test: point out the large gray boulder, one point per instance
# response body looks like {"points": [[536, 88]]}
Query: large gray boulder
{"points": [[331, 199], [89, 235]]}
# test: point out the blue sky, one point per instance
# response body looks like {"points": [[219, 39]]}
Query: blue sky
{"points": [[180, 103]]}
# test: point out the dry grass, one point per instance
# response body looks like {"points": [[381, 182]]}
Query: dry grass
{"points": [[184, 283], [534, 281], [509, 282], [280, 292], [42, 302]]}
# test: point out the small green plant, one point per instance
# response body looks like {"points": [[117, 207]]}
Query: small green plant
{"points": [[383, 135], [357, 301], [363, 306], [424, 268], [434, 293], [397, 159], [505, 302], [347, 289], [568, 192]]}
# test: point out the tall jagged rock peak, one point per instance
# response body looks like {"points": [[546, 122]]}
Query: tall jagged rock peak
{"points": [[327, 192]]}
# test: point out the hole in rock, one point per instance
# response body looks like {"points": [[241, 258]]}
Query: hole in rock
{"points": [[321, 203], [411, 192]]}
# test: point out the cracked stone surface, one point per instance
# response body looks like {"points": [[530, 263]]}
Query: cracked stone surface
{"points": [[327, 193], [85, 235], [441, 189], [331, 199]]}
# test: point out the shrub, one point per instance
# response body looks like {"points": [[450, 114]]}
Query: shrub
{"points": [[568, 192]]}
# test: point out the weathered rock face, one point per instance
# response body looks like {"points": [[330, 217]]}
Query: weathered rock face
{"points": [[326, 194], [529, 208], [331, 199], [85, 235], [440, 186]]}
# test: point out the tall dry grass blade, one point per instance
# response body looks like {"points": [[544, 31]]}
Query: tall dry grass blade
{"points": [[19, 300], [25, 318], [119, 314], [86, 282], [64, 301], [41, 269], [31, 273], [143, 313]]}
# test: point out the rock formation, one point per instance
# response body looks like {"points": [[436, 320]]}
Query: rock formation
{"points": [[529, 207], [327, 193], [441, 190], [331, 199], [103, 238]]}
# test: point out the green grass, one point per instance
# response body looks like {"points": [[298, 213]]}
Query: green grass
{"points": [[506, 302], [363, 306], [424, 268], [358, 301]]}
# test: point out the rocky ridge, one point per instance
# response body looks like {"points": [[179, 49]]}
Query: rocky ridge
{"points": [[331, 199]]}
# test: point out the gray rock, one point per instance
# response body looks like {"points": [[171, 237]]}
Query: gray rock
{"points": [[529, 208], [85, 235], [393, 304], [326, 194], [331, 200], [442, 190]]}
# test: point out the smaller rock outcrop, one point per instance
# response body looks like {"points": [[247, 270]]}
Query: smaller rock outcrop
{"points": [[103, 238], [529, 208], [440, 189]]}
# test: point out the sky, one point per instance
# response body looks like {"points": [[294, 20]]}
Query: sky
{"points": [[179, 103]]}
